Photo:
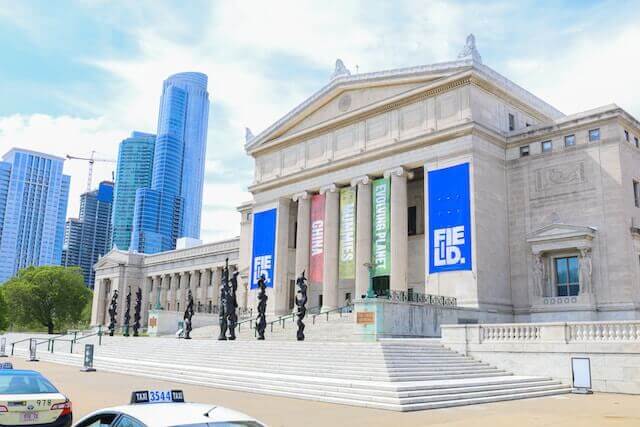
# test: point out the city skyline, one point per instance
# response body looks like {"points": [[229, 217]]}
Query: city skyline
{"points": [[56, 89]]}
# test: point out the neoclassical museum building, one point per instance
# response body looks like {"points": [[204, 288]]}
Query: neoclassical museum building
{"points": [[445, 179]]}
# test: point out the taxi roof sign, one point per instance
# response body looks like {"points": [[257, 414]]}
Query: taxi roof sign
{"points": [[157, 396]]}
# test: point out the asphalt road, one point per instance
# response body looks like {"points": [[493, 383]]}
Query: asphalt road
{"points": [[94, 390]]}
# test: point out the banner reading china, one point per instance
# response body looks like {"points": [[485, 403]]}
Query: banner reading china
{"points": [[316, 261]]}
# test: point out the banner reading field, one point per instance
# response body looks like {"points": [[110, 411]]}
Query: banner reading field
{"points": [[449, 219], [381, 229], [347, 233], [316, 259], [264, 245]]}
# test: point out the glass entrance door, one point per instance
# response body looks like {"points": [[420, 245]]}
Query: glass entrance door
{"points": [[567, 276]]}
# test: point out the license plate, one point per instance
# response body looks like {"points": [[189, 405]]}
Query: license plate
{"points": [[29, 417]]}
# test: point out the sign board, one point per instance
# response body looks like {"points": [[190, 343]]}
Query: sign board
{"points": [[449, 219], [381, 227], [157, 396], [347, 233], [264, 246], [88, 358], [316, 257], [365, 317], [33, 345], [581, 374]]}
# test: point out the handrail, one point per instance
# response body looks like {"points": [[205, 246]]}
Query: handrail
{"points": [[340, 309], [47, 340], [281, 319]]}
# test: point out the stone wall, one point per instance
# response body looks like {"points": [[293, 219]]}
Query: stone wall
{"points": [[546, 349]]}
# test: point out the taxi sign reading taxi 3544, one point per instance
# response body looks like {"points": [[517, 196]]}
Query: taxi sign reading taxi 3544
{"points": [[157, 396]]}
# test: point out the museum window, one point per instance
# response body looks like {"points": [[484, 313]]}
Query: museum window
{"points": [[412, 214], [524, 151], [546, 146], [567, 276], [512, 122], [636, 193], [626, 135], [594, 135], [569, 140]]}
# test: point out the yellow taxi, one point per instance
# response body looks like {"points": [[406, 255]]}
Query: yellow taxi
{"points": [[28, 398]]}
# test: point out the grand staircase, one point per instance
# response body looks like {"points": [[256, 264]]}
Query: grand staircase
{"points": [[396, 374]]}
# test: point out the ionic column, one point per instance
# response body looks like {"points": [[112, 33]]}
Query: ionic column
{"points": [[399, 229], [205, 281], [193, 286], [363, 234], [172, 299], [144, 310], [303, 233], [155, 291], [184, 284], [331, 231], [164, 290], [217, 281]]}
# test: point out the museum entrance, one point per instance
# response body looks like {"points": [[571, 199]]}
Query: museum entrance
{"points": [[381, 286]]}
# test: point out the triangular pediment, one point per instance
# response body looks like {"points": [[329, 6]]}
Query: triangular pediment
{"points": [[344, 102], [346, 95], [112, 258], [561, 231]]}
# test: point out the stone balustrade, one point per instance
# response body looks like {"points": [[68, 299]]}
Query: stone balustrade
{"points": [[547, 348]]}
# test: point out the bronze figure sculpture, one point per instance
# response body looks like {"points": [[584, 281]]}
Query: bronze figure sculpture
{"points": [[261, 321], [301, 303], [113, 312], [188, 315], [136, 312]]}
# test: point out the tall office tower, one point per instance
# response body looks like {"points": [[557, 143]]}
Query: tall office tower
{"points": [[89, 236], [171, 207], [33, 207], [133, 171]]}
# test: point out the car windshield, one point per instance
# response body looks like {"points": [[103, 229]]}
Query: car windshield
{"points": [[20, 383], [225, 424]]}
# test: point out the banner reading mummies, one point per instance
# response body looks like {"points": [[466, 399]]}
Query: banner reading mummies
{"points": [[381, 230], [347, 233], [449, 219], [264, 245], [316, 258]]}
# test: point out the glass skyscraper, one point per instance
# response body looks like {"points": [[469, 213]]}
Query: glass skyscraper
{"points": [[89, 236], [171, 207], [133, 171], [33, 207]]}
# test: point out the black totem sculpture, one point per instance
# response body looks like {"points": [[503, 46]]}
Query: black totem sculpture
{"points": [[222, 305], [188, 315], [232, 305], [301, 303], [127, 316], [113, 312], [136, 312], [261, 321]]}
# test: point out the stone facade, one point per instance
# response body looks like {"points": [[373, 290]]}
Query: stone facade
{"points": [[165, 279], [554, 224]]}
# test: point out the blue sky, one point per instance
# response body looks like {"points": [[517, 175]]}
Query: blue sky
{"points": [[81, 75]]}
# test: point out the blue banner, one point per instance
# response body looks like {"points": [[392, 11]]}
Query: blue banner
{"points": [[264, 246], [449, 219]]}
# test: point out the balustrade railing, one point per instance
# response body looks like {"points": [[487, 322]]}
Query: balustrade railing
{"points": [[603, 331], [515, 332]]}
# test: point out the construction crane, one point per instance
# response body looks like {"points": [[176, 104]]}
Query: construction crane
{"points": [[91, 159]]}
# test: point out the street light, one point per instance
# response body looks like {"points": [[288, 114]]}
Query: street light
{"points": [[370, 292]]}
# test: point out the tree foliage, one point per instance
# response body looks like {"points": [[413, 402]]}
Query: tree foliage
{"points": [[49, 296], [3, 312]]}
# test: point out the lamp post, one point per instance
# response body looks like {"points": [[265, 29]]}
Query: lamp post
{"points": [[370, 292]]}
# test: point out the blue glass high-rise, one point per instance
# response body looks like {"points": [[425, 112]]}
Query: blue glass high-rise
{"points": [[171, 207], [133, 171], [89, 236], [33, 207]]}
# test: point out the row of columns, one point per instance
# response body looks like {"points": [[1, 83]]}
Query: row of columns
{"points": [[168, 284], [399, 235]]}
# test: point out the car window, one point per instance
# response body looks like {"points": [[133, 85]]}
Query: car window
{"points": [[127, 421], [101, 420], [25, 384]]}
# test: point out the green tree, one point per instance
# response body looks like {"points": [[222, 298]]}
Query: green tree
{"points": [[49, 296], [3, 312]]}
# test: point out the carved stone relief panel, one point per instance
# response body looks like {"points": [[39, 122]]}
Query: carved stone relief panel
{"points": [[345, 139], [269, 166], [292, 158], [448, 105], [317, 150], [378, 127], [413, 117], [554, 177]]}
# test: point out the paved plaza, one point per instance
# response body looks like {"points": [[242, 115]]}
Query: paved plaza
{"points": [[90, 391]]}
